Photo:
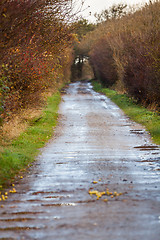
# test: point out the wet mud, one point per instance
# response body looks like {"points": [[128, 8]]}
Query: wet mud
{"points": [[98, 178]]}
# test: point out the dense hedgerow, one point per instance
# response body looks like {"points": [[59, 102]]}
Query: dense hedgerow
{"points": [[35, 50], [124, 51]]}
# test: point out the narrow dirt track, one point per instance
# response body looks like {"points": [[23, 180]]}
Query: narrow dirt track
{"points": [[94, 141]]}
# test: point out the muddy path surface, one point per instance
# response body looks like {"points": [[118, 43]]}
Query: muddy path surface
{"points": [[96, 150]]}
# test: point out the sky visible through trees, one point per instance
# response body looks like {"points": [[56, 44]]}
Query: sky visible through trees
{"points": [[92, 6]]}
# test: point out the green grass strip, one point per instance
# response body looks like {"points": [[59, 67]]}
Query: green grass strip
{"points": [[23, 150], [138, 113]]}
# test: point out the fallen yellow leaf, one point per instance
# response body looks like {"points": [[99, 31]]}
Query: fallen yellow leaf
{"points": [[94, 182], [3, 197], [93, 192]]}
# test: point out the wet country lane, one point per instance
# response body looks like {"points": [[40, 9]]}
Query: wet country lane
{"points": [[98, 178]]}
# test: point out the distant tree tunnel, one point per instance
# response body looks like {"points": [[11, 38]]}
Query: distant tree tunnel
{"points": [[82, 69], [77, 68]]}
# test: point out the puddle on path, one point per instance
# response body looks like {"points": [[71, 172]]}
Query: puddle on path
{"points": [[138, 131], [59, 204], [147, 148], [20, 228], [17, 219]]}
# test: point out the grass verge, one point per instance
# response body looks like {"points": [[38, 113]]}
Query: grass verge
{"points": [[138, 113], [22, 151]]}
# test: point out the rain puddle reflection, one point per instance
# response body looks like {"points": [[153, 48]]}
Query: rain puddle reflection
{"points": [[147, 148]]}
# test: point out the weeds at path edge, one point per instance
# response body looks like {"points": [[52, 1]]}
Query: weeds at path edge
{"points": [[21, 152]]}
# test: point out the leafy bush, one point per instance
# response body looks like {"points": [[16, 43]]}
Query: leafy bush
{"points": [[35, 47]]}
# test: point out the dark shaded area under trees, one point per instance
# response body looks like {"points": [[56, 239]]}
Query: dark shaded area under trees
{"points": [[81, 28]]}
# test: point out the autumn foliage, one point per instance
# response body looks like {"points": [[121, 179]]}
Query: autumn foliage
{"points": [[124, 51], [35, 50]]}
